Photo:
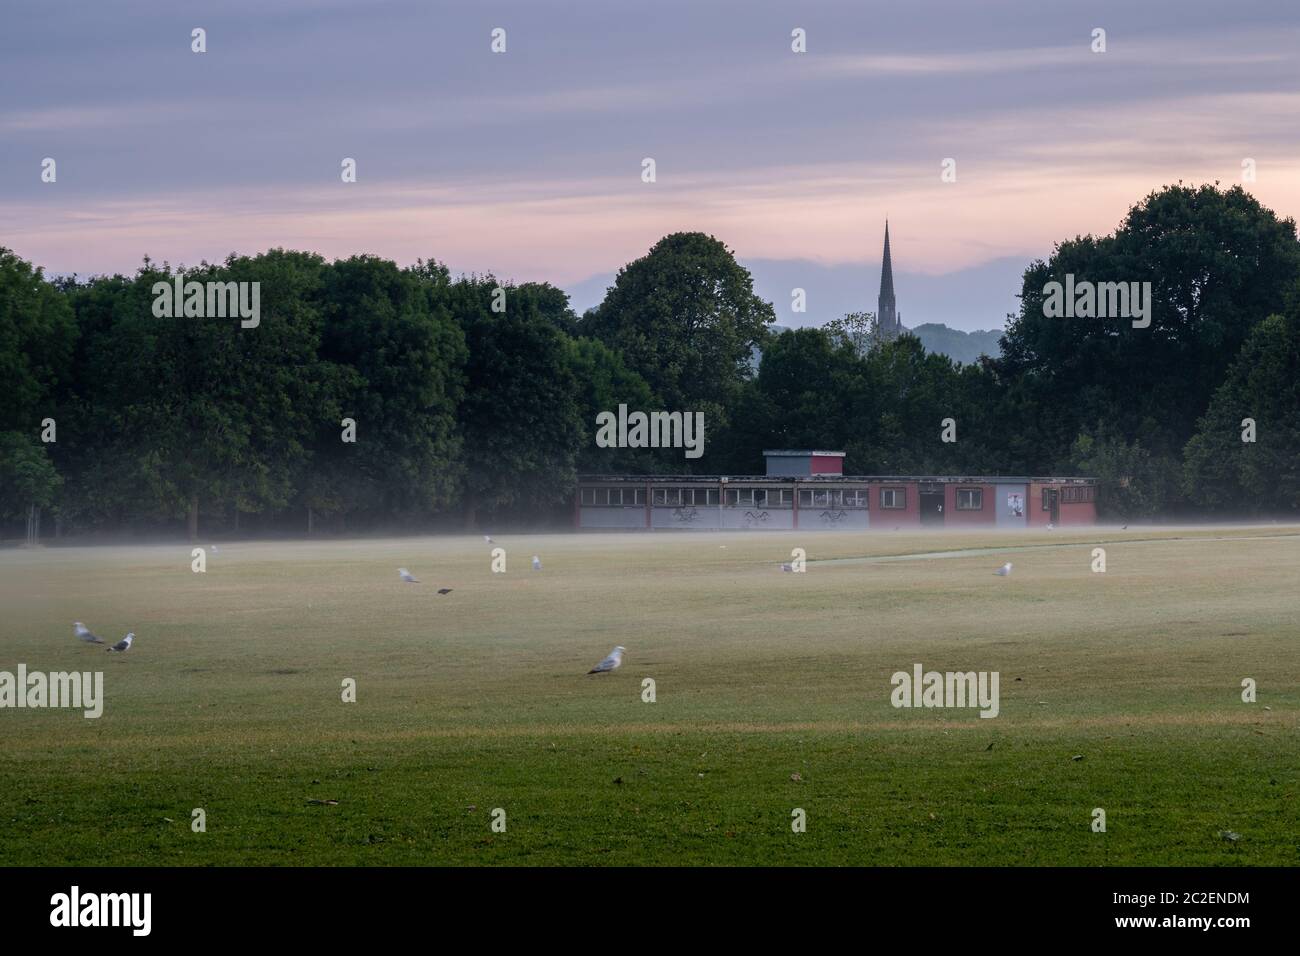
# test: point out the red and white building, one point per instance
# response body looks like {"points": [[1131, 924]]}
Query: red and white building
{"points": [[807, 490]]}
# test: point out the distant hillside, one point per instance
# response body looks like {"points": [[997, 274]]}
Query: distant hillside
{"points": [[964, 347]]}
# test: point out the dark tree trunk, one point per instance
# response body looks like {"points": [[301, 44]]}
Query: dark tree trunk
{"points": [[311, 521], [193, 521]]}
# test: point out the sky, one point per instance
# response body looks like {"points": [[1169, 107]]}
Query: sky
{"points": [[528, 164]]}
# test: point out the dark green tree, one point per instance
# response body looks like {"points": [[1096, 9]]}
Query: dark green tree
{"points": [[1225, 472], [520, 417], [686, 318]]}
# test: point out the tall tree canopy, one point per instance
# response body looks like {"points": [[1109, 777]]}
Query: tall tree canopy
{"points": [[1228, 473], [520, 417], [686, 318]]}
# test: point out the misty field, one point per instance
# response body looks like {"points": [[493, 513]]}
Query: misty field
{"points": [[773, 693]]}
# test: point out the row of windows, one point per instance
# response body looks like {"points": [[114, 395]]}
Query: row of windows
{"points": [[1074, 494], [613, 496], [890, 498], [968, 499]]}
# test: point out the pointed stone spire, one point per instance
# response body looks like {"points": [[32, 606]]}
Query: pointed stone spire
{"points": [[887, 312]]}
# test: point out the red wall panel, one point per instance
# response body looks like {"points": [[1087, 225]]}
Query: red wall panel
{"points": [[953, 518]]}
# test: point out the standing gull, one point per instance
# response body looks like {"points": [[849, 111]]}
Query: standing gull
{"points": [[610, 663], [124, 644], [1004, 570], [407, 576], [537, 563]]}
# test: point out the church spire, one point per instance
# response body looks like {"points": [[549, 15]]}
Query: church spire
{"points": [[887, 313]]}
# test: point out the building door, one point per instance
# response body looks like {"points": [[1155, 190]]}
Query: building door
{"points": [[1051, 504], [931, 507]]}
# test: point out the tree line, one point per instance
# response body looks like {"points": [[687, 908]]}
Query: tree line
{"points": [[371, 396]]}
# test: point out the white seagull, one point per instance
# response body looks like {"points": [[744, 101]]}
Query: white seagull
{"points": [[407, 576], [537, 563], [124, 644], [1004, 570], [80, 630], [488, 539], [610, 663]]}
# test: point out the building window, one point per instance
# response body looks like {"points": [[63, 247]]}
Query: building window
{"points": [[815, 498], [970, 499], [747, 497], [785, 497], [587, 496], [1076, 494], [856, 498], [668, 497], [893, 498], [638, 496]]}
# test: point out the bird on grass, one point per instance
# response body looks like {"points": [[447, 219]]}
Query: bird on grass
{"points": [[1004, 570], [537, 563], [124, 644], [407, 576], [787, 568], [80, 630], [613, 662], [444, 590], [488, 539]]}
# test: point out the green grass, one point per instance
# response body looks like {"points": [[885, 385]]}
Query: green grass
{"points": [[230, 701]]}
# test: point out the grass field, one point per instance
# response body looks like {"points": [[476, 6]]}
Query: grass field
{"points": [[773, 693]]}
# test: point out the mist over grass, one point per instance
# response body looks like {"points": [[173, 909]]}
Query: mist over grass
{"points": [[230, 701]]}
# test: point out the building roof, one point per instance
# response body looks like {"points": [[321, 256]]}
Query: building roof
{"points": [[838, 479], [801, 453]]}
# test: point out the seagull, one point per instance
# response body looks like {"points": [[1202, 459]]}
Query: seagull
{"points": [[407, 576], [124, 644], [1004, 570], [610, 663], [488, 539], [80, 630], [786, 567], [537, 563]]}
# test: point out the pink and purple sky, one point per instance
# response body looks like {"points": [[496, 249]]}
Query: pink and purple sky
{"points": [[528, 164]]}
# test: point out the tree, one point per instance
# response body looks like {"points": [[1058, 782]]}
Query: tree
{"points": [[1227, 473], [1134, 483], [1217, 262], [27, 476], [686, 318], [603, 383], [860, 331], [403, 357], [38, 337], [520, 417]]}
